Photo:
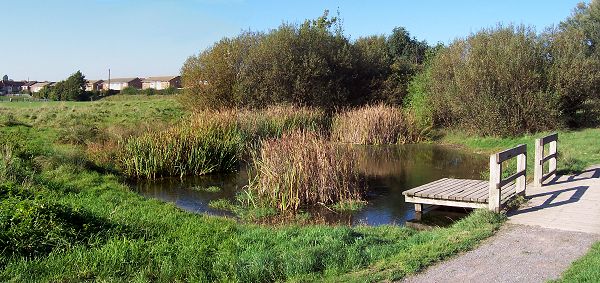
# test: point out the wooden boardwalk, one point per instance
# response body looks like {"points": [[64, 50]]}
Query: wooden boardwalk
{"points": [[457, 193], [468, 193], [496, 192]]}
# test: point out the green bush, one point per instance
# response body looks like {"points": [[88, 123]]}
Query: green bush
{"points": [[493, 83], [311, 64]]}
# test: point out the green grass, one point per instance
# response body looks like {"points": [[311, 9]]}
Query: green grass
{"points": [[64, 219], [577, 149], [585, 269]]}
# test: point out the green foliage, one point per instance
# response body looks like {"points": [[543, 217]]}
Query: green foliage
{"points": [[129, 91], [482, 85], [311, 64]]}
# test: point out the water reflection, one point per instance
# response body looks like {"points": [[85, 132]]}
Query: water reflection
{"points": [[390, 171]]}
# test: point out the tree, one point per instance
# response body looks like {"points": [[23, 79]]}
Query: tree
{"points": [[73, 88], [493, 83]]}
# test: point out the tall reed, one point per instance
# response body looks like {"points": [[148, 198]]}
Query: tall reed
{"points": [[207, 141], [203, 144], [376, 124], [275, 121], [303, 169]]}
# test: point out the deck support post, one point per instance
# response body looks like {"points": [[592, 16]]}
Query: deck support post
{"points": [[521, 182], [538, 170], [418, 211], [495, 178]]}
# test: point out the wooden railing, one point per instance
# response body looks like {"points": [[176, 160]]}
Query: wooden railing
{"points": [[496, 181], [538, 174]]}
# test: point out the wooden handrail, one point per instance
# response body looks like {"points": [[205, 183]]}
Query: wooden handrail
{"points": [[496, 181], [539, 177]]}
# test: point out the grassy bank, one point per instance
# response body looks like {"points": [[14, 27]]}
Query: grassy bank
{"points": [[62, 220], [585, 269], [577, 149]]}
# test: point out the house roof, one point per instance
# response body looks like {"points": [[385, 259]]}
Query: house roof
{"points": [[40, 84], [31, 83], [122, 80], [94, 81], [160, 79]]}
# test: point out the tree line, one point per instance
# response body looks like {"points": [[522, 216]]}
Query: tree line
{"points": [[504, 80]]}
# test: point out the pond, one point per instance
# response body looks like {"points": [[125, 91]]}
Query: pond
{"points": [[390, 170]]}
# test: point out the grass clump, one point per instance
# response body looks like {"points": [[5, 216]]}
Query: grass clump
{"points": [[378, 124], [303, 169]]}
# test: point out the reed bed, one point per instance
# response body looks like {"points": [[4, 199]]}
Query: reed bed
{"points": [[275, 121], [302, 169], [205, 144], [376, 124]]}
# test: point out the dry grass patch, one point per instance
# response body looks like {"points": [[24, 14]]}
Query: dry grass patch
{"points": [[303, 169], [378, 124]]}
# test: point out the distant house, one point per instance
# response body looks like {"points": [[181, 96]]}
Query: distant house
{"points": [[121, 83], [159, 83], [27, 86], [38, 86], [10, 87], [93, 85]]}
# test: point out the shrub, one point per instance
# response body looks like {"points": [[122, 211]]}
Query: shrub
{"points": [[303, 169], [129, 91], [379, 124], [492, 83]]}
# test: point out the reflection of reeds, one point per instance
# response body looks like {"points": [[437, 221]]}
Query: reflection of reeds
{"points": [[302, 169], [379, 124]]}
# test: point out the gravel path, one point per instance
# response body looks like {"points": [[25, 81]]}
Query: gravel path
{"points": [[517, 253]]}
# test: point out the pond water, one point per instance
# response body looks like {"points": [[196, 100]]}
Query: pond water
{"points": [[390, 170]]}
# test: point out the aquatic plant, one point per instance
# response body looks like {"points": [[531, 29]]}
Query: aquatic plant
{"points": [[202, 145], [302, 169], [376, 124]]}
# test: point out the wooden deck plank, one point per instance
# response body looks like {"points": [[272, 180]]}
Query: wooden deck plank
{"points": [[440, 192], [462, 185], [477, 188], [467, 187], [481, 194], [430, 191], [458, 192], [424, 187]]}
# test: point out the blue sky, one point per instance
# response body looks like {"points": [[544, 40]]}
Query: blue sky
{"points": [[52, 39]]}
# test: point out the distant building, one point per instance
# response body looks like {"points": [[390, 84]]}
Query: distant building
{"points": [[121, 83], [159, 83], [93, 85], [8, 86], [38, 86], [27, 86]]}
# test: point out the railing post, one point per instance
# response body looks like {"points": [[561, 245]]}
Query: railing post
{"points": [[552, 161], [538, 167], [521, 182], [494, 189]]}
